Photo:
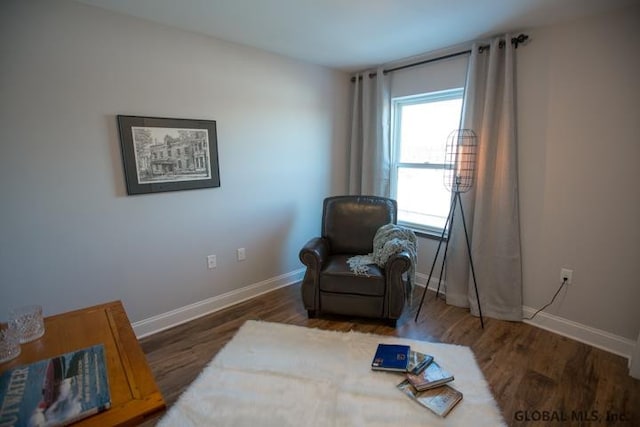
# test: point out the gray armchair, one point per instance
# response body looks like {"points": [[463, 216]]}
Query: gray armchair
{"points": [[349, 224]]}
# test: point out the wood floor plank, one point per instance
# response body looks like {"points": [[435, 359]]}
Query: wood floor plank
{"points": [[537, 377]]}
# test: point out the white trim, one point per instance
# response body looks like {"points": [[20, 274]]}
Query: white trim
{"points": [[189, 312], [396, 123], [586, 334], [421, 280], [577, 331], [634, 361], [595, 337]]}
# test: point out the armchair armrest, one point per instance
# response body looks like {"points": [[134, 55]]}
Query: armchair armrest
{"points": [[398, 263], [314, 253], [398, 290]]}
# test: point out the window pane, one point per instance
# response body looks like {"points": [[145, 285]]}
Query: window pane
{"points": [[422, 197], [424, 129]]}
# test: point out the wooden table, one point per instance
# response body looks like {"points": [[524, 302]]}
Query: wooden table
{"points": [[134, 393]]}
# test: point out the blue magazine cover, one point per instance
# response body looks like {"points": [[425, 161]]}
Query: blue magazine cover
{"points": [[55, 391]]}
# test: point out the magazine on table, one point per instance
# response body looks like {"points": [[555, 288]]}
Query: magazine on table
{"points": [[56, 391]]}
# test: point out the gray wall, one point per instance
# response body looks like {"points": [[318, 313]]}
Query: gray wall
{"points": [[69, 234], [579, 127]]}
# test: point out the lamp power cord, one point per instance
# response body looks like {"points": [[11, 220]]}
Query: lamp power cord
{"points": [[564, 282]]}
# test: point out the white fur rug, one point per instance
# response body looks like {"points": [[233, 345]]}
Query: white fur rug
{"points": [[273, 374]]}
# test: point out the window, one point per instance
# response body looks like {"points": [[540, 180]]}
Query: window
{"points": [[421, 125]]}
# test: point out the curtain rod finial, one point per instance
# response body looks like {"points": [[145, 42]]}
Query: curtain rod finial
{"points": [[519, 40]]}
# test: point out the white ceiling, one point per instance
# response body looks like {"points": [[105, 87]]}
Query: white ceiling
{"points": [[355, 34]]}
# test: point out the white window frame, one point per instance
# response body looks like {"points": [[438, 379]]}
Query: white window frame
{"points": [[396, 104]]}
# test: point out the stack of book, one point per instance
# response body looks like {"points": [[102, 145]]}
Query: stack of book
{"points": [[426, 381]]}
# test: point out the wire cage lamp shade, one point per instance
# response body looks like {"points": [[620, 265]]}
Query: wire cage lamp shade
{"points": [[460, 160], [459, 171]]}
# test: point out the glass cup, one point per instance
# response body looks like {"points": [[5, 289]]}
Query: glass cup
{"points": [[29, 321], [9, 341]]}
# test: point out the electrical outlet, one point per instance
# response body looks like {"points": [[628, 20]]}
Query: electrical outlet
{"points": [[241, 254], [212, 262], [565, 273]]}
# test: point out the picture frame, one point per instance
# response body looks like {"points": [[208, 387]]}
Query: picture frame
{"points": [[168, 154]]}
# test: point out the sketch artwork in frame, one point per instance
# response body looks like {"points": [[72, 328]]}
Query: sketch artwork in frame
{"points": [[162, 154]]}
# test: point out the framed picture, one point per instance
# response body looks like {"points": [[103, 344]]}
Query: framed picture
{"points": [[161, 154]]}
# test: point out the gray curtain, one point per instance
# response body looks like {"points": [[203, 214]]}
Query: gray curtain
{"points": [[369, 148], [491, 207]]}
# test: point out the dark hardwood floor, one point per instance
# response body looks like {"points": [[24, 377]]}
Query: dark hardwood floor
{"points": [[537, 377]]}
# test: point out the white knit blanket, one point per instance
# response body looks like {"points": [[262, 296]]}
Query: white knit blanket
{"points": [[390, 239], [280, 375]]}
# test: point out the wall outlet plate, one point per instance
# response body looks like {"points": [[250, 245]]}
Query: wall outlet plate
{"points": [[566, 273], [212, 262]]}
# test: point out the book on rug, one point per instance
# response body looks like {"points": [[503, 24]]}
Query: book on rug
{"points": [[391, 357], [418, 361], [56, 391], [432, 376], [440, 400]]}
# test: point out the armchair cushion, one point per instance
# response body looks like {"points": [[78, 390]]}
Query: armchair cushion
{"points": [[336, 276], [350, 223]]}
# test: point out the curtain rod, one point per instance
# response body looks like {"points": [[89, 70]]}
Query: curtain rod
{"points": [[515, 41]]}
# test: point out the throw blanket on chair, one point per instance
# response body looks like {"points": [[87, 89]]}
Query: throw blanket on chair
{"points": [[390, 239]]}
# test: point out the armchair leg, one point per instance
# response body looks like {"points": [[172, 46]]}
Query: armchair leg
{"points": [[311, 314]]}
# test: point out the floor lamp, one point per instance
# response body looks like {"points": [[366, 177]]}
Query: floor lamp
{"points": [[460, 161]]}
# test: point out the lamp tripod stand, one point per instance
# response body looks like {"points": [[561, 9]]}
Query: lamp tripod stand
{"points": [[460, 158], [448, 229]]}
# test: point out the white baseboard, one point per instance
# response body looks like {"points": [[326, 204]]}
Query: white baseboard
{"points": [[184, 314], [634, 361], [421, 280], [595, 337]]}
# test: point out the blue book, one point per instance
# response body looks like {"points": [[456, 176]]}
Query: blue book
{"points": [[391, 357], [56, 391]]}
